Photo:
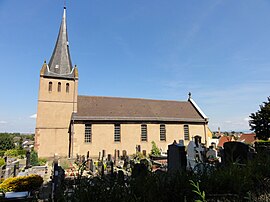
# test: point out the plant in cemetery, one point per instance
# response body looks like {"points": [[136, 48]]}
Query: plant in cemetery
{"points": [[155, 151]]}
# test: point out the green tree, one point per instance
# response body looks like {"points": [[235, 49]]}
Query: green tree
{"points": [[34, 158], [260, 121], [155, 151], [6, 142]]}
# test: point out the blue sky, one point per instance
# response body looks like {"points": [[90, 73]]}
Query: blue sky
{"points": [[217, 49]]}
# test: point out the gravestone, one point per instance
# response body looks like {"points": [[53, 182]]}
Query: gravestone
{"points": [[177, 159], [138, 148], [103, 154], [236, 152], [124, 153], [109, 157], [144, 152], [27, 159]]}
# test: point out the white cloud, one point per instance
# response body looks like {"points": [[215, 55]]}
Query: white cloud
{"points": [[3, 122], [34, 116]]}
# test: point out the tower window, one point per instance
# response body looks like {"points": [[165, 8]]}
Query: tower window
{"points": [[67, 88], [117, 133], [50, 86], [144, 132], [186, 132], [88, 133], [59, 87], [162, 132]]}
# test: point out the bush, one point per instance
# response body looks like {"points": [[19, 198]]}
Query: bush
{"points": [[25, 183], [42, 161], [15, 152], [155, 151], [34, 158]]}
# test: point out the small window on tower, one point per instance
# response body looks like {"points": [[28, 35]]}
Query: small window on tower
{"points": [[67, 88], [50, 86], [59, 87]]}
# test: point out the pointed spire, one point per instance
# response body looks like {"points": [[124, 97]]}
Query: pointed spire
{"points": [[60, 62]]}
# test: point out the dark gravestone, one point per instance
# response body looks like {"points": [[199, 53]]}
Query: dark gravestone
{"points": [[109, 157], [144, 152], [177, 159], [236, 152], [27, 159], [197, 140], [103, 153], [124, 153], [138, 148]]}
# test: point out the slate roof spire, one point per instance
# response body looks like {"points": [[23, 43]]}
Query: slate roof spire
{"points": [[60, 63]]}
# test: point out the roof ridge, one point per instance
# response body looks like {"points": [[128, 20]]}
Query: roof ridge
{"points": [[115, 97]]}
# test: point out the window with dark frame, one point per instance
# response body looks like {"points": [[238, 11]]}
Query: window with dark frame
{"points": [[88, 133], [144, 132], [67, 88], [59, 87], [162, 132], [186, 132], [117, 133], [50, 86]]}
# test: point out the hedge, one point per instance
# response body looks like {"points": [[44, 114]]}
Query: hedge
{"points": [[22, 183]]}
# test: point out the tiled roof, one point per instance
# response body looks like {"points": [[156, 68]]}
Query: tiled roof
{"points": [[134, 109], [247, 138], [224, 139]]}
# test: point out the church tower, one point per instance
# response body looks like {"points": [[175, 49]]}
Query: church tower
{"points": [[57, 99]]}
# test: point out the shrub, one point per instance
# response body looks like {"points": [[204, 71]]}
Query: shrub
{"points": [[14, 152], [155, 151], [34, 158], [24, 183], [42, 161]]}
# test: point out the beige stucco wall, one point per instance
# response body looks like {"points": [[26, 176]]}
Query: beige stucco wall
{"points": [[103, 137], [52, 141], [53, 116]]}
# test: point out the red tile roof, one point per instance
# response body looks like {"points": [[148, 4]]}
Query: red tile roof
{"points": [[247, 138], [224, 139]]}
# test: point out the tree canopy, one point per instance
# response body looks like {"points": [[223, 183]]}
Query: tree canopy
{"points": [[6, 142], [260, 121]]}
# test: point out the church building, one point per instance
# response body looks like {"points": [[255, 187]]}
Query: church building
{"points": [[70, 124]]}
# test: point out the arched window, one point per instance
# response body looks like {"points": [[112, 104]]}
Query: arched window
{"points": [[59, 87], [50, 86], [67, 88]]}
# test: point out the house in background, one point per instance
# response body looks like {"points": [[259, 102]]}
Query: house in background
{"points": [[70, 124], [247, 138]]}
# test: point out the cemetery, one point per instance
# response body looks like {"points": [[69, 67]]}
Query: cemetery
{"points": [[237, 172]]}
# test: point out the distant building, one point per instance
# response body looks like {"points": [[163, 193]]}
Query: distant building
{"points": [[247, 138], [70, 124]]}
